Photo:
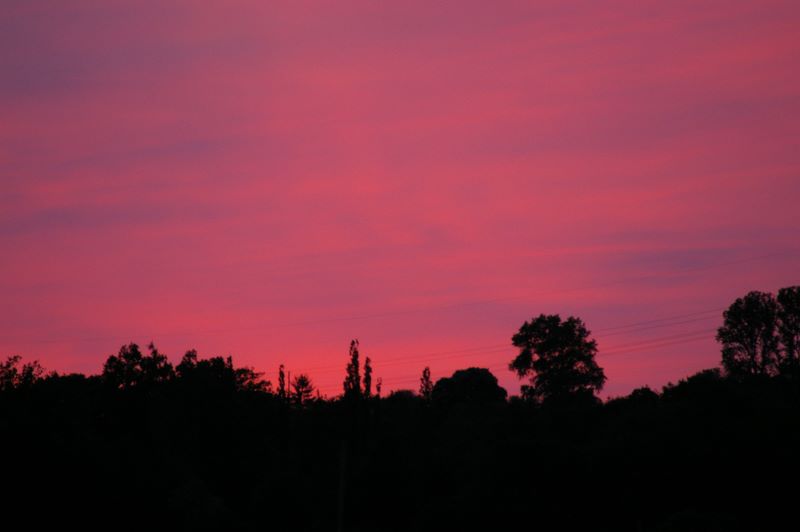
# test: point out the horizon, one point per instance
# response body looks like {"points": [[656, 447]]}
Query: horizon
{"points": [[329, 390], [270, 182]]}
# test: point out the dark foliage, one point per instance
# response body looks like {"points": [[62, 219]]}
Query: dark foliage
{"points": [[282, 390], [471, 385], [207, 446], [218, 373], [789, 326], [748, 336], [20, 377], [559, 358], [352, 380], [130, 368], [367, 378], [425, 384], [302, 389], [199, 452], [761, 334]]}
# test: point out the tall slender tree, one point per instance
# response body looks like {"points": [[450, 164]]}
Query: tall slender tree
{"points": [[281, 383], [367, 378], [425, 384], [352, 381]]}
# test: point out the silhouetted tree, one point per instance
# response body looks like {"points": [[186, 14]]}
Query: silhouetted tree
{"points": [[558, 357], [302, 389], [749, 336], [9, 373], [12, 376], [378, 386], [155, 366], [789, 325], [205, 453], [248, 379], [404, 395], [367, 378], [471, 385], [187, 364], [352, 382], [645, 394], [130, 368], [425, 384], [401, 399], [281, 383], [220, 373]]}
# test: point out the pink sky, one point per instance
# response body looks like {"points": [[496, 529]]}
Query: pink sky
{"points": [[272, 179]]}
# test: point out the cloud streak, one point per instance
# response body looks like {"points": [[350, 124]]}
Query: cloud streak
{"points": [[273, 180]]}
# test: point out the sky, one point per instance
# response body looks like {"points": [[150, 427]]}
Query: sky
{"points": [[270, 180]]}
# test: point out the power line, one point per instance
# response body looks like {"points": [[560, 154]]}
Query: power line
{"points": [[630, 328], [487, 349], [657, 345], [637, 347], [647, 322], [663, 338]]}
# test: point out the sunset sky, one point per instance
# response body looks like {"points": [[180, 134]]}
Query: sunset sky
{"points": [[272, 179]]}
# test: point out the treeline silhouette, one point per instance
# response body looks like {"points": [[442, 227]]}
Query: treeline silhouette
{"points": [[207, 445]]}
